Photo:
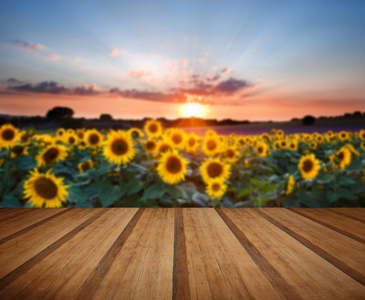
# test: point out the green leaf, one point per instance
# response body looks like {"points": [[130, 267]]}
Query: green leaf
{"points": [[134, 186], [104, 169], [308, 199], [245, 192], [344, 180], [355, 165], [109, 193], [324, 178], [75, 194], [346, 194], [155, 191], [200, 199], [333, 197], [257, 182], [176, 191], [10, 201], [268, 188]]}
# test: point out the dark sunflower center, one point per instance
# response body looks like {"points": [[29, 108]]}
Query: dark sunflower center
{"points": [[45, 188], [363, 135], [191, 142], [60, 133], [120, 147], [341, 156], [216, 187], [211, 145], [292, 146], [307, 165], [283, 144], [173, 165], [135, 134], [343, 135], [85, 166], [214, 169], [153, 128], [83, 144], [8, 134], [260, 149], [17, 150], [80, 135], [72, 140], [177, 138], [164, 148], [24, 138], [51, 155], [94, 139], [150, 145], [231, 153]]}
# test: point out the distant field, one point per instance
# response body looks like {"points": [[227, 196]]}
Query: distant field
{"points": [[261, 128]]}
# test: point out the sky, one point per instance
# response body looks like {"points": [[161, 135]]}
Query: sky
{"points": [[246, 60]]}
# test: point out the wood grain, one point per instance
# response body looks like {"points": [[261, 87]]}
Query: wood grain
{"points": [[182, 253]]}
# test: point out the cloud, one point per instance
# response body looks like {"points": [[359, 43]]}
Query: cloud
{"points": [[52, 57], [176, 63], [52, 87], [231, 86], [114, 52], [76, 59], [11, 81], [139, 73], [24, 45], [147, 95]]}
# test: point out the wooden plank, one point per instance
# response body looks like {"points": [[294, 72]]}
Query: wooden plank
{"points": [[308, 274], [343, 252], [65, 270], [20, 254], [9, 213], [349, 227], [357, 213], [88, 288], [272, 276], [156, 275], [219, 268], [15, 229], [123, 277], [181, 289]]}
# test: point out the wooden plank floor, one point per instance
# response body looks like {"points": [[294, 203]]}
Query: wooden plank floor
{"points": [[183, 253]]}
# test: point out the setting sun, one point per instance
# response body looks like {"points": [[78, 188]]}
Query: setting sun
{"points": [[193, 110]]}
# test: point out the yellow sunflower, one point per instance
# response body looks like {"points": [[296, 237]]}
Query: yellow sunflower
{"points": [[86, 165], [135, 133], [319, 138], [177, 138], [153, 128], [211, 145], [210, 133], [362, 146], [276, 145], [164, 146], [342, 157], [8, 136], [119, 148], [172, 167], [214, 169], [52, 154], [273, 131], [216, 188], [293, 145], [231, 154], [290, 185], [352, 149], [45, 190], [150, 145], [70, 131], [70, 138], [283, 144], [262, 149], [18, 150], [93, 138], [24, 138], [362, 134], [309, 166], [313, 145], [80, 133], [81, 144], [192, 143], [60, 132], [343, 135]]}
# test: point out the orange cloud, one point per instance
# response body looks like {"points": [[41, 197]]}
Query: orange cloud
{"points": [[139, 73], [24, 45], [114, 52], [52, 57]]}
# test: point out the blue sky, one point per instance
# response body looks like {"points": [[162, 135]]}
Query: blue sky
{"points": [[271, 59]]}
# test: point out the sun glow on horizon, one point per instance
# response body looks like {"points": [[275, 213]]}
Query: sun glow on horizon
{"points": [[192, 109]]}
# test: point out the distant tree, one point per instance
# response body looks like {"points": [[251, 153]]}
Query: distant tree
{"points": [[308, 120], [106, 117], [59, 112], [357, 114]]}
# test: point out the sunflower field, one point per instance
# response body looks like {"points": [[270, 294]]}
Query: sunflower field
{"points": [[157, 167]]}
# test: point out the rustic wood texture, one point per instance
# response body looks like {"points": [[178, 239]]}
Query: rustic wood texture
{"points": [[183, 253]]}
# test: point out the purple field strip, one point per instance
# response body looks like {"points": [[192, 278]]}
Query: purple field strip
{"points": [[225, 130]]}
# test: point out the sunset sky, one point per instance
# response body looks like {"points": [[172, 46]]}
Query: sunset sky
{"points": [[255, 60]]}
